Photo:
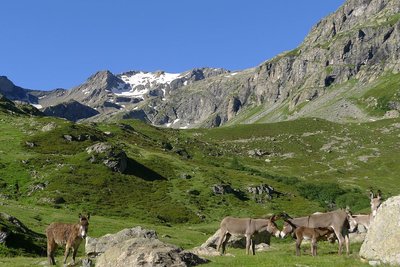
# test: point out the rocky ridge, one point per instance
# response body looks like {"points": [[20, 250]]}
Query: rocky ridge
{"points": [[330, 75]]}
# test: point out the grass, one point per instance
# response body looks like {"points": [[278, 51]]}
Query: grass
{"points": [[376, 100], [176, 169], [281, 253]]}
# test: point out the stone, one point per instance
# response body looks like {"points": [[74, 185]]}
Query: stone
{"points": [[111, 156], [147, 252], [382, 240], [237, 241], [222, 189], [97, 246]]}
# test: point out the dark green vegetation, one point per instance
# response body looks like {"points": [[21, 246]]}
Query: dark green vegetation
{"points": [[316, 164]]}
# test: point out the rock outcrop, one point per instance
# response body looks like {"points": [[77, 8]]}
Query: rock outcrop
{"points": [[111, 156], [208, 248], [17, 237], [381, 243], [138, 247]]}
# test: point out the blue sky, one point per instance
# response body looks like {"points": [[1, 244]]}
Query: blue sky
{"points": [[47, 44]]}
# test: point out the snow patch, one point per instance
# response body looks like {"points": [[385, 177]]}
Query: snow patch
{"points": [[37, 106], [139, 83]]}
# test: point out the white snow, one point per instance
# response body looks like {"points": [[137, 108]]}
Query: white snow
{"points": [[231, 74], [147, 79], [37, 106], [143, 78]]}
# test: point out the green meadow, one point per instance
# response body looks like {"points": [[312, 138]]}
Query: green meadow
{"points": [[317, 165]]}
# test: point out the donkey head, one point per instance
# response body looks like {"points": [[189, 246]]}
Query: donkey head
{"points": [[376, 201], [352, 222], [83, 225], [288, 228], [272, 227]]}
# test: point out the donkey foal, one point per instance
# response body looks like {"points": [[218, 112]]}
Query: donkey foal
{"points": [[70, 235], [314, 234]]}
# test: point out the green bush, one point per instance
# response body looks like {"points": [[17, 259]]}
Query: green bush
{"points": [[324, 193]]}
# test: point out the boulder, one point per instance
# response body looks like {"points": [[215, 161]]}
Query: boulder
{"points": [[382, 240], [97, 246], [112, 157], [15, 236], [222, 189], [147, 252], [208, 248]]}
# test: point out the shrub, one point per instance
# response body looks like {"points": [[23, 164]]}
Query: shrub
{"points": [[324, 193]]}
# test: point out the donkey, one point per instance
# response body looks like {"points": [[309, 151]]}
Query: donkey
{"points": [[376, 201], [300, 233], [337, 220], [70, 235], [363, 219], [247, 227], [315, 234]]}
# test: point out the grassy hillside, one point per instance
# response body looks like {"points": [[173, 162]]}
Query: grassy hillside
{"points": [[47, 175]]}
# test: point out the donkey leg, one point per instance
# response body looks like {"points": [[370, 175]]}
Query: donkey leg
{"points": [[227, 237], [51, 248], [253, 246], [298, 243], [248, 242], [66, 253], [340, 240], [221, 239], [314, 247], [347, 242], [74, 252]]}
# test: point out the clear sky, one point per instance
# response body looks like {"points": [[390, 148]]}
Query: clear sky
{"points": [[47, 44]]}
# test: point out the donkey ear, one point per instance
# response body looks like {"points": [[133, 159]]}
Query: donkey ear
{"points": [[80, 216], [273, 218], [379, 194], [88, 216], [371, 194]]}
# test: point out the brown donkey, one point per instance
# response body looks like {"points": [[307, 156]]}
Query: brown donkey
{"points": [[247, 227], [336, 220], [70, 235], [302, 232]]}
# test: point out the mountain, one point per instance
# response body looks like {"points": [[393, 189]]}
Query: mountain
{"points": [[13, 92], [345, 70]]}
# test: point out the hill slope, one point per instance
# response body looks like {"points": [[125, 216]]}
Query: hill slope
{"points": [[196, 175]]}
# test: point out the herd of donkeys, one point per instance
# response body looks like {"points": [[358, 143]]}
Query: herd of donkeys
{"points": [[335, 224]]}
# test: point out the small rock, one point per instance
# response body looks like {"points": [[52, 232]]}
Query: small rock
{"points": [[68, 137], [30, 144]]}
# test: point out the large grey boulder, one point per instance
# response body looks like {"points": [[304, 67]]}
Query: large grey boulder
{"points": [[97, 246], [382, 243], [138, 247], [147, 252], [208, 248]]}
